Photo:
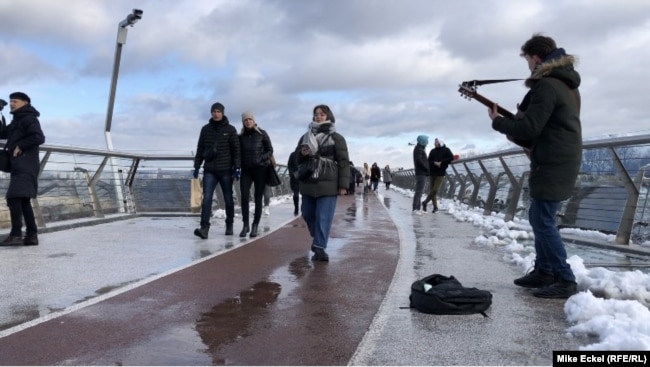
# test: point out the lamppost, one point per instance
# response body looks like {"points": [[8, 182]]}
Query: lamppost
{"points": [[122, 29]]}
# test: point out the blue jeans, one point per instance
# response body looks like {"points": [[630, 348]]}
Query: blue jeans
{"points": [[318, 213], [210, 181], [419, 188], [551, 254]]}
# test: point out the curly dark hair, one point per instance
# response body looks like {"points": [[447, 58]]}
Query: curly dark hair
{"points": [[539, 45]]}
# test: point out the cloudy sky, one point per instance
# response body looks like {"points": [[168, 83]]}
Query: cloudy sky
{"points": [[388, 69]]}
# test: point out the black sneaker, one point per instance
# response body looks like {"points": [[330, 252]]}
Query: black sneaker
{"points": [[319, 254], [30, 240], [201, 232], [424, 206], [561, 289], [535, 279], [435, 209]]}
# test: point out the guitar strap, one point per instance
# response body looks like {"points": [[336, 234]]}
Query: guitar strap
{"points": [[490, 81]]}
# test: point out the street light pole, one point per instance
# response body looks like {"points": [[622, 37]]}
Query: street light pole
{"points": [[122, 30]]}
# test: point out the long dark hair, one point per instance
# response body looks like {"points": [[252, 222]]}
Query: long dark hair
{"points": [[327, 110]]}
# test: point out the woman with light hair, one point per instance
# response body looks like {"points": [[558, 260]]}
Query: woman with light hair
{"points": [[256, 155]]}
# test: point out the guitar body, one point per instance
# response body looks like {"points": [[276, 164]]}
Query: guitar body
{"points": [[468, 91], [526, 144]]}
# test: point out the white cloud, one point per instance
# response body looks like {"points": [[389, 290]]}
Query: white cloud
{"points": [[390, 70]]}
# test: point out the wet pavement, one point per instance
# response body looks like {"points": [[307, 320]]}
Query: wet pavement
{"points": [[145, 291]]}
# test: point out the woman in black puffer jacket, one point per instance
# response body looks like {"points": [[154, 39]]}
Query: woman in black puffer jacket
{"points": [[256, 155]]}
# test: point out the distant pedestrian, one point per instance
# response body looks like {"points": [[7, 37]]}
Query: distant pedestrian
{"points": [[421, 168], [292, 168], [366, 177], [439, 158], [548, 118], [354, 173], [24, 136], [388, 177], [322, 143], [375, 176], [219, 151], [268, 192]]}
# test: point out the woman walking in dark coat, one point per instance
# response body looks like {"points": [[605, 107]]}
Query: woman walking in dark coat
{"points": [[24, 135], [320, 191], [256, 153]]}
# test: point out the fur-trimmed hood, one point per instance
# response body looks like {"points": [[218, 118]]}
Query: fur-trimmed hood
{"points": [[560, 67]]}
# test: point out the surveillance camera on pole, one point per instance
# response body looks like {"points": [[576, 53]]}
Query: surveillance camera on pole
{"points": [[132, 18]]}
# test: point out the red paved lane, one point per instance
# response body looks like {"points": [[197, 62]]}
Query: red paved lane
{"points": [[264, 303]]}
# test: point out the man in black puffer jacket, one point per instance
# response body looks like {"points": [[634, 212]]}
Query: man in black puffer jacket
{"points": [[218, 149], [24, 135]]}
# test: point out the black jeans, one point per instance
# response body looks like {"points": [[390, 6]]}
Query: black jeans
{"points": [[20, 208], [257, 177]]}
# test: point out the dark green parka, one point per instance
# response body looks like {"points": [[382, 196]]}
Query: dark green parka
{"points": [[335, 174], [550, 119]]}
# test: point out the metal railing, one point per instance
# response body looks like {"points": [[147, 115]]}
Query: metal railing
{"points": [[611, 193], [76, 183]]}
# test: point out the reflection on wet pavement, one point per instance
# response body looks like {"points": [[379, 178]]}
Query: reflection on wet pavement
{"points": [[21, 314], [299, 267], [230, 320]]}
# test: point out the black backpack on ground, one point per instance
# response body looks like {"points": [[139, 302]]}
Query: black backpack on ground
{"points": [[441, 295]]}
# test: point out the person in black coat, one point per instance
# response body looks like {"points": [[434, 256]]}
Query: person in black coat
{"points": [[375, 176], [24, 136], [218, 150], [439, 158], [292, 167], [421, 168], [354, 173], [256, 153]]}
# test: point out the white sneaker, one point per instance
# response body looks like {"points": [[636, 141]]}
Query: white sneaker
{"points": [[417, 212], [266, 211]]}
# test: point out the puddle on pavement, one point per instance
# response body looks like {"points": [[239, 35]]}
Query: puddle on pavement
{"points": [[233, 319]]}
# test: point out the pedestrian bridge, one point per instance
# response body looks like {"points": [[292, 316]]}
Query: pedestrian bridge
{"points": [[143, 290], [611, 194], [119, 278]]}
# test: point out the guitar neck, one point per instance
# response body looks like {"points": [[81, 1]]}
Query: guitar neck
{"points": [[487, 103]]}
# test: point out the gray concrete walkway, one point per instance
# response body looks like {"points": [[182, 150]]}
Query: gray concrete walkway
{"points": [[144, 291]]}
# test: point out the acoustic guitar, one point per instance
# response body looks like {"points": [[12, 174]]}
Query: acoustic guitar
{"points": [[468, 91]]}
